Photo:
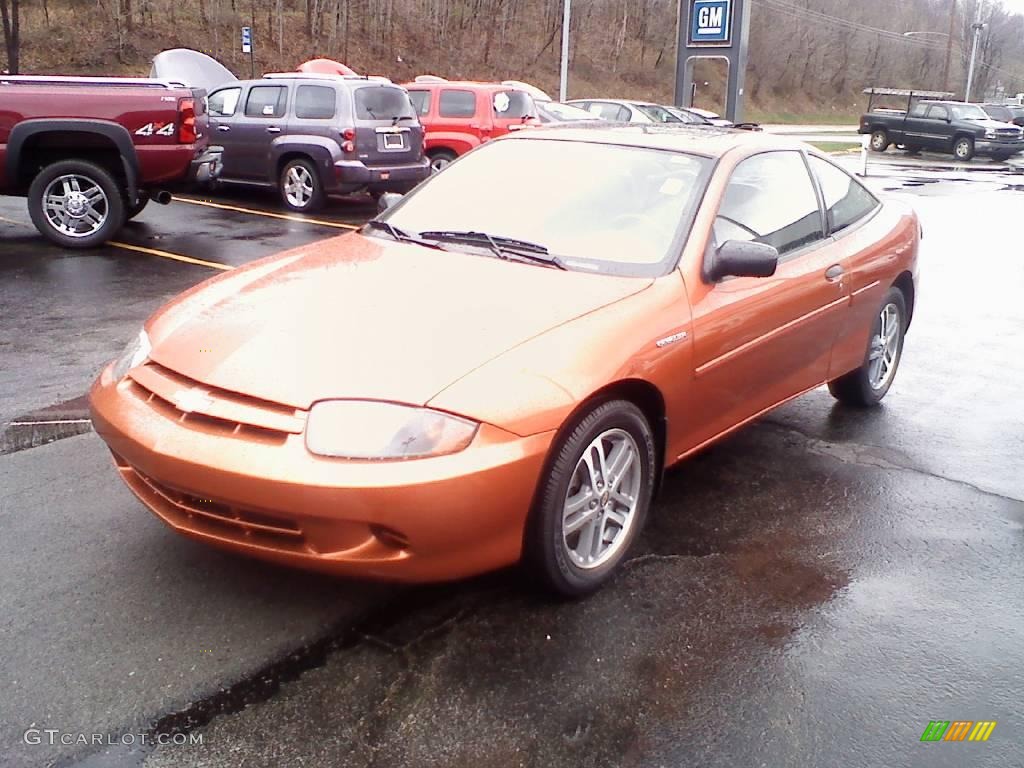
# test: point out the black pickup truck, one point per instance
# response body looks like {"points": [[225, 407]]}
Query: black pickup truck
{"points": [[963, 130]]}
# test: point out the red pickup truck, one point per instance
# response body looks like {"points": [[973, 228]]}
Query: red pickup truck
{"points": [[89, 153]]}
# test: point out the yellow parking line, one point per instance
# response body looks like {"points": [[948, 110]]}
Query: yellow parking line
{"points": [[269, 214], [147, 251], [169, 255]]}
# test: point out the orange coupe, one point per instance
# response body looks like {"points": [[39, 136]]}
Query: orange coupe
{"points": [[502, 364]]}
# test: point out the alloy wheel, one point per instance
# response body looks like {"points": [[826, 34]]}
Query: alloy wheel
{"points": [[601, 501], [298, 186], [885, 347], [75, 205]]}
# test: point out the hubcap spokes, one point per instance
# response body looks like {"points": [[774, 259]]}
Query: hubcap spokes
{"points": [[75, 206], [298, 186], [600, 504], [885, 347]]}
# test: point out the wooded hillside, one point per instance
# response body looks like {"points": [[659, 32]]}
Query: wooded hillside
{"points": [[806, 56]]}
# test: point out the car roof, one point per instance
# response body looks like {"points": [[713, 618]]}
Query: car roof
{"points": [[709, 141], [463, 84]]}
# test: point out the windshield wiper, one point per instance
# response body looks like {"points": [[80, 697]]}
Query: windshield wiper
{"points": [[395, 120], [401, 235], [502, 247]]}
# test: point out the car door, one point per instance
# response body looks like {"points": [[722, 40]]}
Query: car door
{"points": [[938, 134], [760, 341], [264, 118], [916, 127], [456, 112], [224, 113], [511, 110]]}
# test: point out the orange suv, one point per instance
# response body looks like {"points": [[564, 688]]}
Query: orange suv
{"points": [[458, 116]]}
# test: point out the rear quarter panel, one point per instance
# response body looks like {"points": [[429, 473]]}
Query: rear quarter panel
{"points": [[143, 112], [875, 254]]}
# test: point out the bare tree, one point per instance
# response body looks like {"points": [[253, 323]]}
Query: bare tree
{"points": [[11, 17]]}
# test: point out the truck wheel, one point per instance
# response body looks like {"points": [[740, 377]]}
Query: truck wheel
{"points": [[301, 190], [440, 159], [76, 204], [963, 148], [135, 210], [880, 140]]}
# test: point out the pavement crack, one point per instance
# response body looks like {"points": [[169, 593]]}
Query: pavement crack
{"points": [[868, 456]]}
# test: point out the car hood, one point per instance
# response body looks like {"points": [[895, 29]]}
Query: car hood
{"points": [[360, 317], [991, 125]]}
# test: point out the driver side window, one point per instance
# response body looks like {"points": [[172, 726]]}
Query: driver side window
{"points": [[771, 199]]}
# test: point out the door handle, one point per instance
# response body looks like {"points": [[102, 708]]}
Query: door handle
{"points": [[273, 129], [834, 273], [223, 128]]}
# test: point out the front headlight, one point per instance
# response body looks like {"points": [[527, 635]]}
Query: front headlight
{"points": [[991, 134], [134, 354], [368, 429]]}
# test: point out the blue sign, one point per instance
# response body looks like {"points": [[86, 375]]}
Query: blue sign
{"points": [[246, 40], [710, 22]]}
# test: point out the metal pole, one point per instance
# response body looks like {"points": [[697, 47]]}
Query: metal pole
{"points": [[949, 47], [563, 83], [974, 53]]}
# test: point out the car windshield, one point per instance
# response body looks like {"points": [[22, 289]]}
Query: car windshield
{"points": [[599, 207], [383, 102], [968, 112]]}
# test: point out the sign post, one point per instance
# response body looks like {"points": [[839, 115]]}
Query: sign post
{"points": [[247, 48], [713, 29]]}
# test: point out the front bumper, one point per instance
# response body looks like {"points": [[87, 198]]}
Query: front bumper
{"points": [[352, 175], [423, 520], [997, 147]]}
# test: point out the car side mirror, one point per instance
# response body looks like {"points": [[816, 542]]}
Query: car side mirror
{"points": [[738, 258], [387, 200]]}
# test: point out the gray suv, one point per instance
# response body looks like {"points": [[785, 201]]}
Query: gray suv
{"points": [[315, 135]]}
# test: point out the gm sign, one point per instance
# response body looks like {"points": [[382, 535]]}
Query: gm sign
{"points": [[710, 22]]}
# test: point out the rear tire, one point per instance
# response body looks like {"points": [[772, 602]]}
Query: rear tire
{"points": [[865, 386], [440, 159], [963, 148], [880, 140], [76, 204], [585, 521], [300, 187]]}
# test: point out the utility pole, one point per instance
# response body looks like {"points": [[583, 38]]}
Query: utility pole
{"points": [[977, 27], [949, 46], [563, 82]]}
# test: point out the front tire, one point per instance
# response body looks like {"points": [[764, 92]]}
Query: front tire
{"points": [[300, 186], [880, 140], [593, 501], [963, 149], [867, 385], [76, 204]]}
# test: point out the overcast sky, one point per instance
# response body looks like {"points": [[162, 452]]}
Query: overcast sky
{"points": [[1016, 6]]}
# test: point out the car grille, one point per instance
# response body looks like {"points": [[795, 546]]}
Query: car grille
{"points": [[199, 406], [1008, 133], [223, 521]]}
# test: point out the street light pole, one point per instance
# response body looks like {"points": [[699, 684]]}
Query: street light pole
{"points": [[563, 83], [977, 27]]}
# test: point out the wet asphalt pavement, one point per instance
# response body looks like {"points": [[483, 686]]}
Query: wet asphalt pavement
{"points": [[810, 592]]}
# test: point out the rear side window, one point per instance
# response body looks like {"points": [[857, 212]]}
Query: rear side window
{"points": [[315, 102], [771, 199], [612, 112], [224, 103], [266, 101], [458, 103], [420, 101], [919, 109], [938, 112], [846, 199], [382, 102]]}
